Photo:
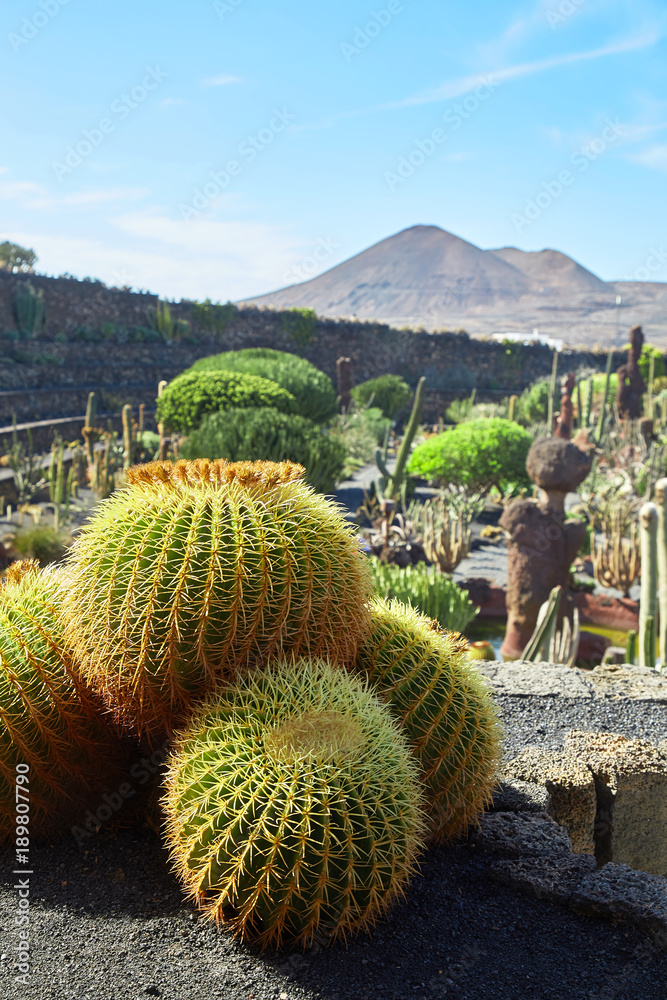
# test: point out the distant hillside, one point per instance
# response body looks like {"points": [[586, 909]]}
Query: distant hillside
{"points": [[425, 276]]}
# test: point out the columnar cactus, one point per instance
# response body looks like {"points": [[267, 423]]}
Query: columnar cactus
{"points": [[51, 727], [293, 806], [199, 570], [444, 707]]}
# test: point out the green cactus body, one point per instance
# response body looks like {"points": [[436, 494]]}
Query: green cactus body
{"points": [[445, 709], [49, 721], [202, 569], [294, 811]]}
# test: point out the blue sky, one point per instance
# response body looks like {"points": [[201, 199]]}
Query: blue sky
{"points": [[224, 148]]}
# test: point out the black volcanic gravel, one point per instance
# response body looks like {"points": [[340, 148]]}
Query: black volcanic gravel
{"points": [[108, 920]]}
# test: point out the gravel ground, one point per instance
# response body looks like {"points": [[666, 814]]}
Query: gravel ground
{"points": [[107, 920]]}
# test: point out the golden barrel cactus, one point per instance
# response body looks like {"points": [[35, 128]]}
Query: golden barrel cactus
{"points": [[444, 706], [52, 732], [293, 807], [199, 570]]}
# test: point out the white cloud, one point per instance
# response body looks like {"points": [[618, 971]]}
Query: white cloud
{"points": [[460, 157], [654, 157], [464, 84], [200, 259], [172, 102], [36, 197], [224, 80]]}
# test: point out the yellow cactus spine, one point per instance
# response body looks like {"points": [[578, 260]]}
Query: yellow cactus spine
{"points": [[50, 725], [445, 709], [294, 813], [199, 570]]}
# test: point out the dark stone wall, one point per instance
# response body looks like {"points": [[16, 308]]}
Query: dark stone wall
{"points": [[50, 377]]}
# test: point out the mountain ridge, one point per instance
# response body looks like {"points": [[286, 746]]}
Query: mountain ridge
{"points": [[427, 277]]}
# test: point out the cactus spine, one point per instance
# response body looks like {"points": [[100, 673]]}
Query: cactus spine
{"points": [[444, 707], [649, 584], [294, 813], [200, 569], [50, 722], [661, 503]]}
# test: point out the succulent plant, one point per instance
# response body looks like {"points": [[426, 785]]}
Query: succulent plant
{"points": [[294, 811], [50, 725], [199, 570], [445, 709]]}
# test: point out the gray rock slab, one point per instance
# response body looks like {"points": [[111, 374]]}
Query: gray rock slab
{"points": [[550, 680], [620, 893]]}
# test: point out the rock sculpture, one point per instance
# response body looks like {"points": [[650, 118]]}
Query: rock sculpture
{"points": [[631, 385], [542, 545]]}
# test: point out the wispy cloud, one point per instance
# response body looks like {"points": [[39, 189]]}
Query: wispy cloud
{"points": [[224, 80], [654, 157], [464, 84], [35, 197], [172, 102]]}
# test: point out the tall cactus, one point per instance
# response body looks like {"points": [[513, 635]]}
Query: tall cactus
{"points": [[198, 570], [294, 814], [649, 584], [391, 482], [661, 503], [29, 308], [445, 709], [603, 408], [51, 723]]}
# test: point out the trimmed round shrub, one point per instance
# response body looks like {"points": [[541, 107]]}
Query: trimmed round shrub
{"points": [[477, 454], [265, 434], [193, 395], [201, 570], [390, 393], [51, 726], [445, 709], [294, 810], [313, 390]]}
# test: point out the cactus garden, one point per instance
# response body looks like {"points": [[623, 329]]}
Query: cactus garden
{"points": [[306, 673]]}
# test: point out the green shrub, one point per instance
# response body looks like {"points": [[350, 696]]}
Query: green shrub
{"points": [[644, 364], [427, 590], [360, 431], [264, 434], [299, 324], [534, 402], [313, 390], [390, 393], [194, 395], [214, 317], [477, 454], [44, 544]]}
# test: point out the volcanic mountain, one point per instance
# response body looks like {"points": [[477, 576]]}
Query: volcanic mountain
{"points": [[427, 277]]}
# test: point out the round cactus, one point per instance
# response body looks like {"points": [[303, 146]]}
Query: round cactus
{"points": [[199, 570], [445, 709], [50, 725], [293, 806]]}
